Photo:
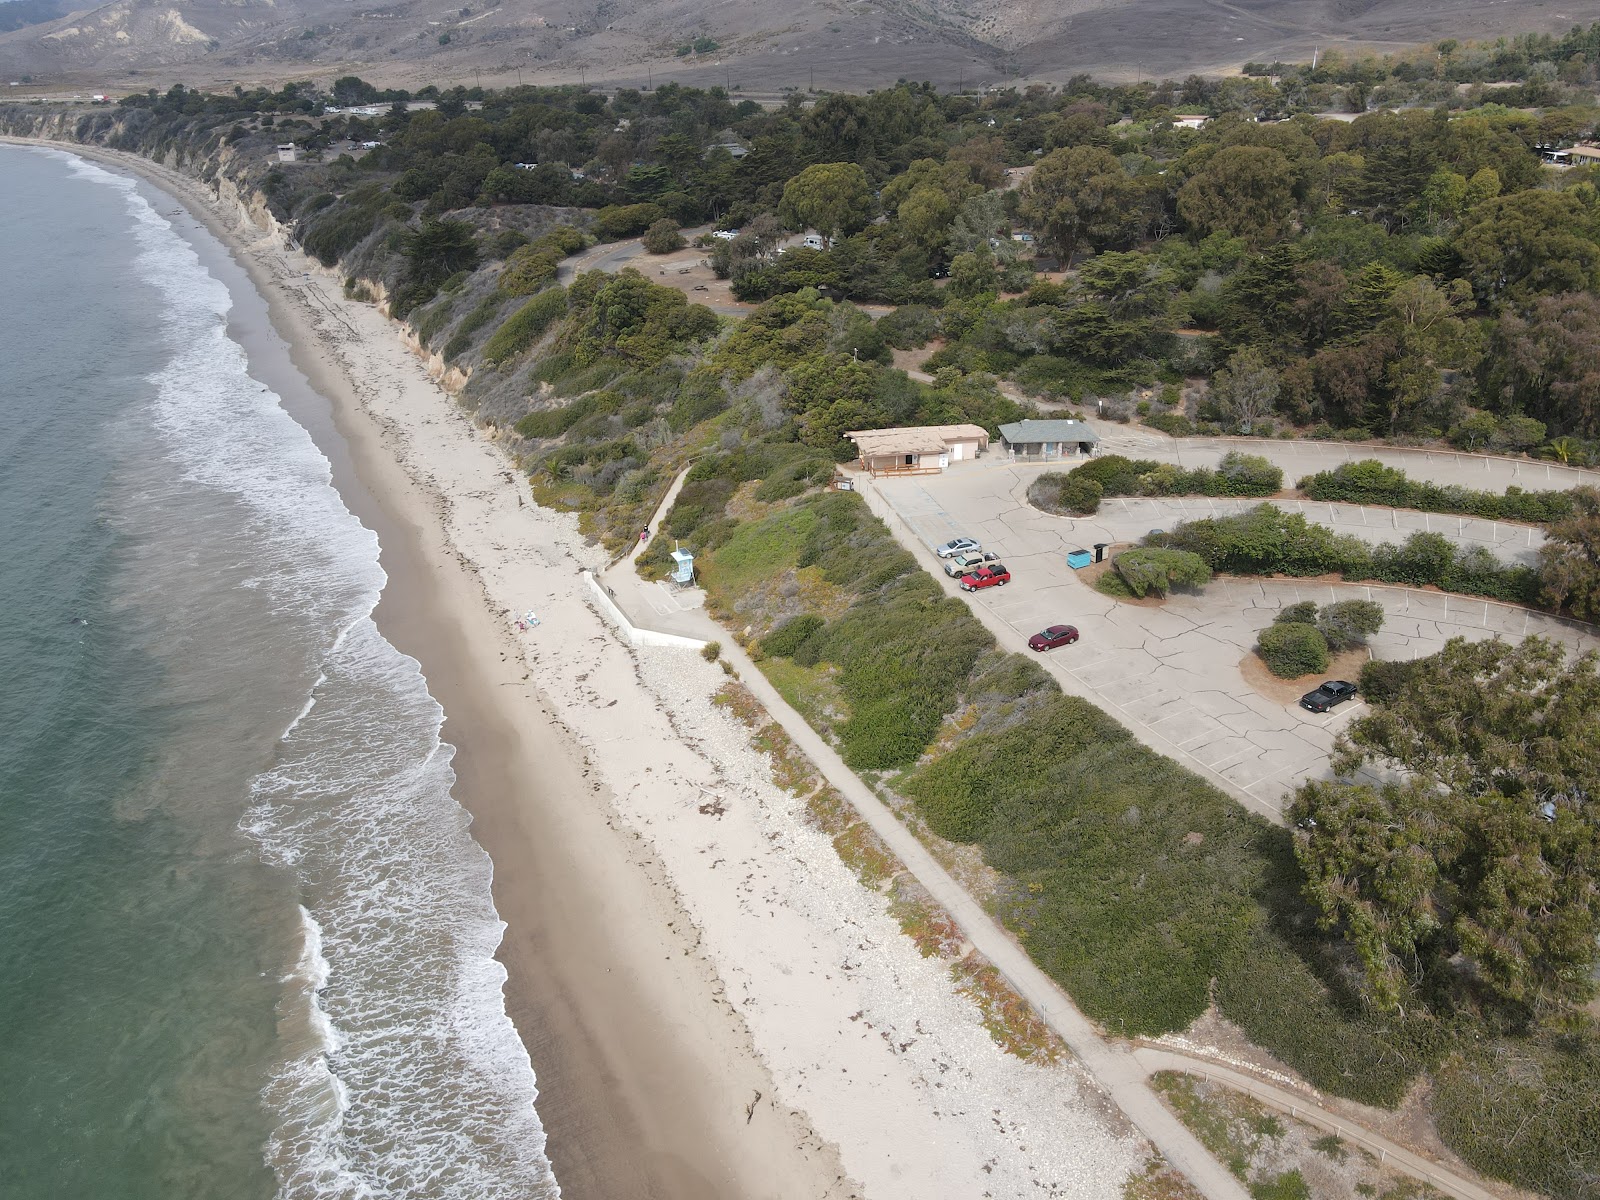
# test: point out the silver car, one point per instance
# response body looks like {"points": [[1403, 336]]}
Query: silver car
{"points": [[960, 545]]}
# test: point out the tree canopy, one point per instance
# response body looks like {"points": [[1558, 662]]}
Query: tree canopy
{"points": [[1486, 853]]}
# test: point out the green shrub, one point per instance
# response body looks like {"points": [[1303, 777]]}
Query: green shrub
{"points": [[663, 237], [1349, 623], [1080, 496], [1292, 650], [526, 326], [1151, 569], [1172, 423], [1291, 1185], [553, 422], [1525, 1110], [1273, 994], [909, 327], [617, 221], [1370, 482], [787, 638], [1268, 541], [528, 270], [1303, 613]]}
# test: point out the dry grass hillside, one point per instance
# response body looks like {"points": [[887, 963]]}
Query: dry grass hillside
{"points": [[761, 46]]}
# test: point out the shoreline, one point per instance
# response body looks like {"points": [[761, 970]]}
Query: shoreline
{"points": [[628, 1109], [713, 1005]]}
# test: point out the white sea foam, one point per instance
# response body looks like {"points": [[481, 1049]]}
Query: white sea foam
{"points": [[400, 1073]]}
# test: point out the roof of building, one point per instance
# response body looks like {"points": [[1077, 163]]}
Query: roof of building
{"points": [[915, 439], [1585, 151], [1018, 432]]}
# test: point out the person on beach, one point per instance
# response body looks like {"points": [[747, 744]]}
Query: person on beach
{"points": [[644, 536]]}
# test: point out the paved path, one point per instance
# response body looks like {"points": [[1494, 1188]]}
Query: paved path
{"points": [[656, 518], [1172, 673], [1308, 1110]]}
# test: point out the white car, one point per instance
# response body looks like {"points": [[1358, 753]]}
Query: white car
{"points": [[968, 561], [725, 235], [960, 545]]}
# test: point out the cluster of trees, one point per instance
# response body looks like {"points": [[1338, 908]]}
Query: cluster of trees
{"points": [[1383, 275], [1301, 636], [1473, 877]]}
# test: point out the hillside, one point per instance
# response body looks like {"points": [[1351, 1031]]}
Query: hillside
{"points": [[761, 48]]}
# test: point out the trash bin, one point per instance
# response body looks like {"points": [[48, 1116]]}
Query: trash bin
{"points": [[1100, 551]]}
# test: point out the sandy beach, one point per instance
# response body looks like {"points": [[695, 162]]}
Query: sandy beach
{"points": [[714, 1005]]}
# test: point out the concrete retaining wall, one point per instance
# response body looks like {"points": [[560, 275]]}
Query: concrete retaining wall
{"points": [[636, 635]]}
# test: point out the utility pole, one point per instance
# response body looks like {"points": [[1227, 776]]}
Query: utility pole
{"points": [[813, 86]]}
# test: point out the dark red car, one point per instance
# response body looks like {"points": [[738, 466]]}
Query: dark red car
{"points": [[994, 575], [1056, 635]]}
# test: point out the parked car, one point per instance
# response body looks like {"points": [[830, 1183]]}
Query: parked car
{"points": [[1056, 635], [994, 575], [961, 545], [965, 564], [1329, 695]]}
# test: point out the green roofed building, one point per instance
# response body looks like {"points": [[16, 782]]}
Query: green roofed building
{"points": [[1047, 439]]}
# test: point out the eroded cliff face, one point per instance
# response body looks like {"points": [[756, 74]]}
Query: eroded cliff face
{"points": [[234, 179]]}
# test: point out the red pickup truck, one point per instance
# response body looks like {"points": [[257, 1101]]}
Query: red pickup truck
{"points": [[993, 575]]}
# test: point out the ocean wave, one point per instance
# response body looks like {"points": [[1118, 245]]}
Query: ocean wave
{"points": [[400, 1072]]}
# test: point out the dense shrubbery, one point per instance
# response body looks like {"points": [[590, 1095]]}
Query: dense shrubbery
{"points": [[1154, 569], [1525, 1109], [1291, 649], [1136, 916], [1370, 482], [526, 326], [1079, 491], [1268, 541]]}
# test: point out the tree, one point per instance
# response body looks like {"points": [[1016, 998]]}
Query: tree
{"points": [[1490, 850], [663, 237], [1246, 389], [1530, 244], [1569, 560], [832, 198], [1245, 191], [1119, 310], [1081, 195], [1546, 363]]}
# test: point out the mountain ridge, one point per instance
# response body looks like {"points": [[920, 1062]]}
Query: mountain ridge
{"points": [[757, 47]]}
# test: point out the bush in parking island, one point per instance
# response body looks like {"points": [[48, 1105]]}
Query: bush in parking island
{"points": [[1370, 482], [1148, 569], [1268, 541], [1291, 649], [1080, 490]]}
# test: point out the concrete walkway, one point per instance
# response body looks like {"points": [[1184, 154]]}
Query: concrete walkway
{"points": [[1301, 1109]]}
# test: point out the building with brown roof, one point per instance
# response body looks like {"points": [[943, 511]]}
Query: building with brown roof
{"points": [[918, 448]]}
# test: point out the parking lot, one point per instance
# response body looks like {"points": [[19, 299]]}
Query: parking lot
{"points": [[1171, 672]]}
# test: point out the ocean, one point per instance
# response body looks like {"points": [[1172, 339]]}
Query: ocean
{"points": [[246, 938]]}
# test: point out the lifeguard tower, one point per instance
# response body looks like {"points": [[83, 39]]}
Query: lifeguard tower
{"points": [[682, 567]]}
